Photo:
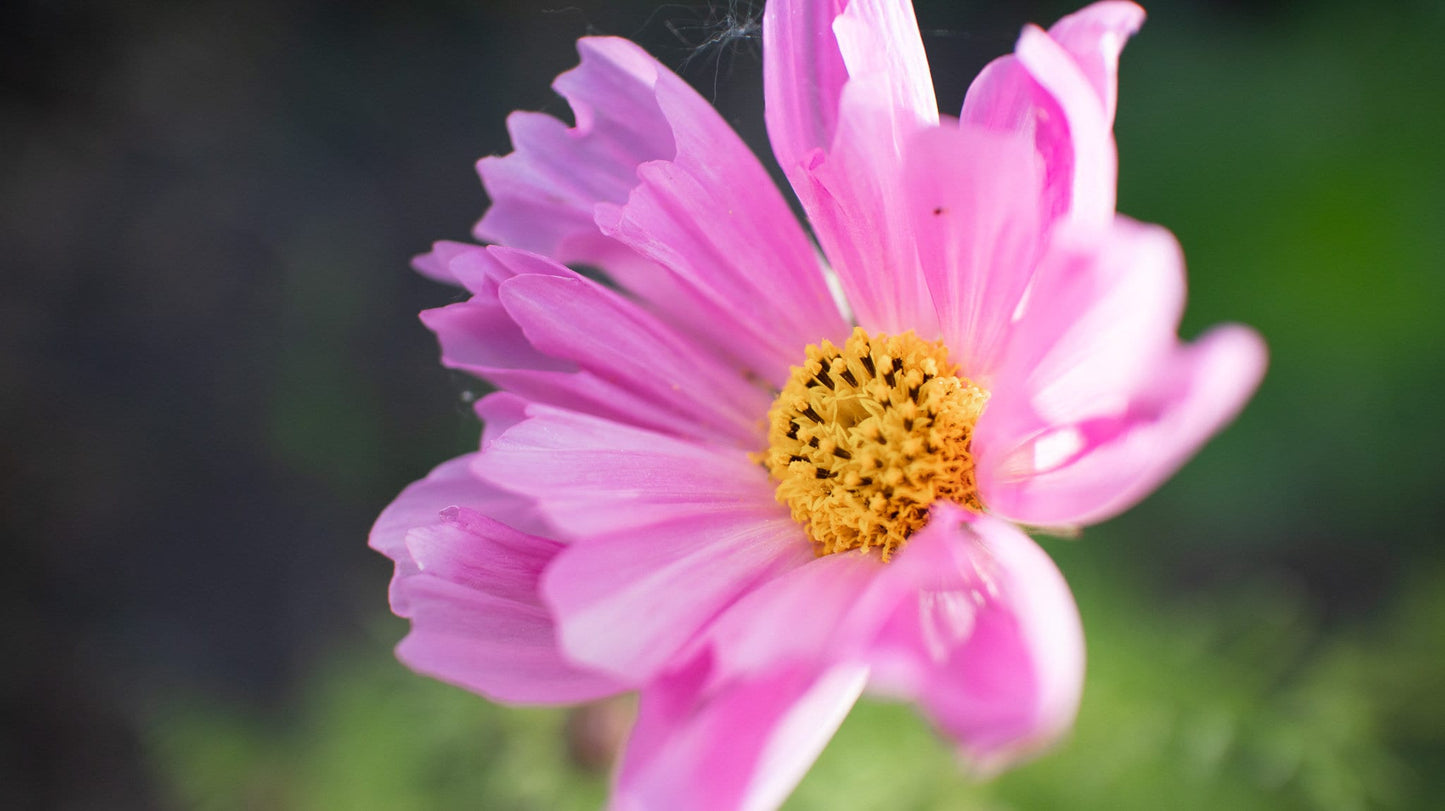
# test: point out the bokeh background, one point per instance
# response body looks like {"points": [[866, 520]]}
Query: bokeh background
{"points": [[212, 378]]}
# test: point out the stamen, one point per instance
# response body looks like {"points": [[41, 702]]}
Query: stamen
{"points": [[860, 463]]}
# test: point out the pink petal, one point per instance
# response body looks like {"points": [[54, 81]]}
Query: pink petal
{"points": [[803, 76], [580, 321], [841, 103], [1091, 470], [713, 216], [726, 276], [499, 411], [469, 584], [1100, 317], [740, 744], [477, 620], [982, 632], [481, 268], [478, 335], [973, 198], [857, 203], [629, 602], [971, 620], [667, 533], [549, 335], [1094, 168], [451, 484], [812, 47], [435, 265], [1094, 368], [480, 553], [1060, 89], [502, 650], [748, 639], [593, 476], [1094, 36], [421, 503], [881, 38], [1006, 98], [543, 194]]}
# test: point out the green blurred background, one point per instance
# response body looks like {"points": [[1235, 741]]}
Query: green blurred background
{"points": [[212, 379]]}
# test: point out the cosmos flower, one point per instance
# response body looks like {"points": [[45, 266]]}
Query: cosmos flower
{"points": [[754, 476]]}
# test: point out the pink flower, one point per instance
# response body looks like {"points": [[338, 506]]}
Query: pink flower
{"points": [[716, 486]]}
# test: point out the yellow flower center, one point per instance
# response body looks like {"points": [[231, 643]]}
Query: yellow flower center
{"points": [[863, 439]]}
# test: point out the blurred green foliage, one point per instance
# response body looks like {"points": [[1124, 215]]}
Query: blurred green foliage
{"points": [[369, 735]]}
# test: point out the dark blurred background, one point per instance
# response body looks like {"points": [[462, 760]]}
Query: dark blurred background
{"points": [[212, 378]]}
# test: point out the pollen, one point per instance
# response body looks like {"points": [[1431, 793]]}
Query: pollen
{"points": [[864, 438]]}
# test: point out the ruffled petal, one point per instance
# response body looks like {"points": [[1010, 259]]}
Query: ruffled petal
{"points": [[712, 745], [973, 196], [841, 103], [593, 476], [550, 335], [637, 184], [477, 620], [1094, 36], [1093, 157], [1091, 470], [1060, 88], [982, 632], [713, 216], [543, 194], [1006, 98]]}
